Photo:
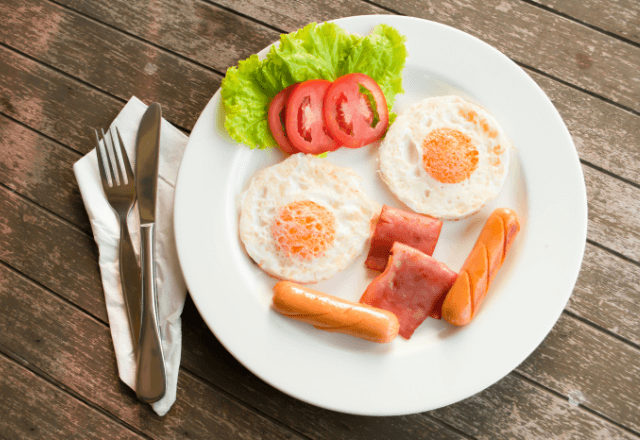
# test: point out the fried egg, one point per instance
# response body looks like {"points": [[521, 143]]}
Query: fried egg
{"points": [[304, 219], [444, 157]]}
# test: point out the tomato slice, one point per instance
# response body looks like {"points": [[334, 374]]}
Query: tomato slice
{"points": [[304, 123], [353, 116], [277, 116]]}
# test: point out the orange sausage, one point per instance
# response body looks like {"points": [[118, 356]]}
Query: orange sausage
{"points": [[481, 266], [333, 314]]}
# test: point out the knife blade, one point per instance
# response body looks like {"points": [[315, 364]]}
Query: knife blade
{"points": [[151, 379]]}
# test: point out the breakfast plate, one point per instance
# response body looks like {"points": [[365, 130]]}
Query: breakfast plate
{"points": [[441, 364]]}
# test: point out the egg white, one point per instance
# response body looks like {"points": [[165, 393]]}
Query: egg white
{"points": [[401, 167], [303, 177]]}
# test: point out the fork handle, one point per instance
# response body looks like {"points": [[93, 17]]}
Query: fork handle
{"points": [[130, 279], [151, 382]]}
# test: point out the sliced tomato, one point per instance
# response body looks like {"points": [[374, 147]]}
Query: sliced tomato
{"points": [[277, 116], [304, 123], [353, 116]]}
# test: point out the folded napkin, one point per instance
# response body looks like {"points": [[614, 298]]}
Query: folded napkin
{"points": [[106, 231]]}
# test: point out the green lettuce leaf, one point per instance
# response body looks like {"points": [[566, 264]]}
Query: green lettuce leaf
{"points": [[246, 97], [322, 51], [313, 52], [380, 55]]}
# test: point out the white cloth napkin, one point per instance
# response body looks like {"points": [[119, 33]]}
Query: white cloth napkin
{"points": [[171, 287]]}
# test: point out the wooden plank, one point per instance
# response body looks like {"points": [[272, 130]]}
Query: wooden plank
{"points": [[546, 41], [116, 63], [608, 293], [514, 409], [192, 28], [55, 105], [278, 13], [604, 134], [613, 213], [76, 350], [620, 17], [41, 170], [593, 368], [33, 408], [55, 254]]}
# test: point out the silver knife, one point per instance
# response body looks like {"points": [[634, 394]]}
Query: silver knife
{"points": [[151, 381]]}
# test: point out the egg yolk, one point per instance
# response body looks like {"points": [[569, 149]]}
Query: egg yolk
{"points": [[449, 155], [304, 229]]}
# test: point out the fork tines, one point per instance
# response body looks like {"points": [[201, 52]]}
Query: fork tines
{"points": [[119, 167]]}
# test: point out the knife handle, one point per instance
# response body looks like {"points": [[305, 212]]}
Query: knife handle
{"points": [[151, 382]]}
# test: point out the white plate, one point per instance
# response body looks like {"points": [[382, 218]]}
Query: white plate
{"points": [[440, 364]]}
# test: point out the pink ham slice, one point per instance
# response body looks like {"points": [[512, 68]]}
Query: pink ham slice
{"points": [[418, 231], [413, 287]]}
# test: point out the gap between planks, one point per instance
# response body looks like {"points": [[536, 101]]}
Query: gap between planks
{"points": [[83, 82], [580, 405], [580, 22], [47, 210], [14, 357], [601, 329], [150, 43], [609, 173]]}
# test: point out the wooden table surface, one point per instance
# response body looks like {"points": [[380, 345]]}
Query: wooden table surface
{"points": [[67, 66]]}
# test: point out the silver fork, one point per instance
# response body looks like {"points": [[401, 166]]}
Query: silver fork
{"points": [[121, 196]]}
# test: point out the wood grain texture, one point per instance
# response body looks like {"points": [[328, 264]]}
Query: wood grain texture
{"points": [[52, 252], [32, 408], [538, 38], [604, 134], [620, 17], [51, 103], [76, 350], [608, 293], [41, 170], [613, 213], [575, 358], [194, 29], [514, 409], [112, 61], [281, 15]]}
